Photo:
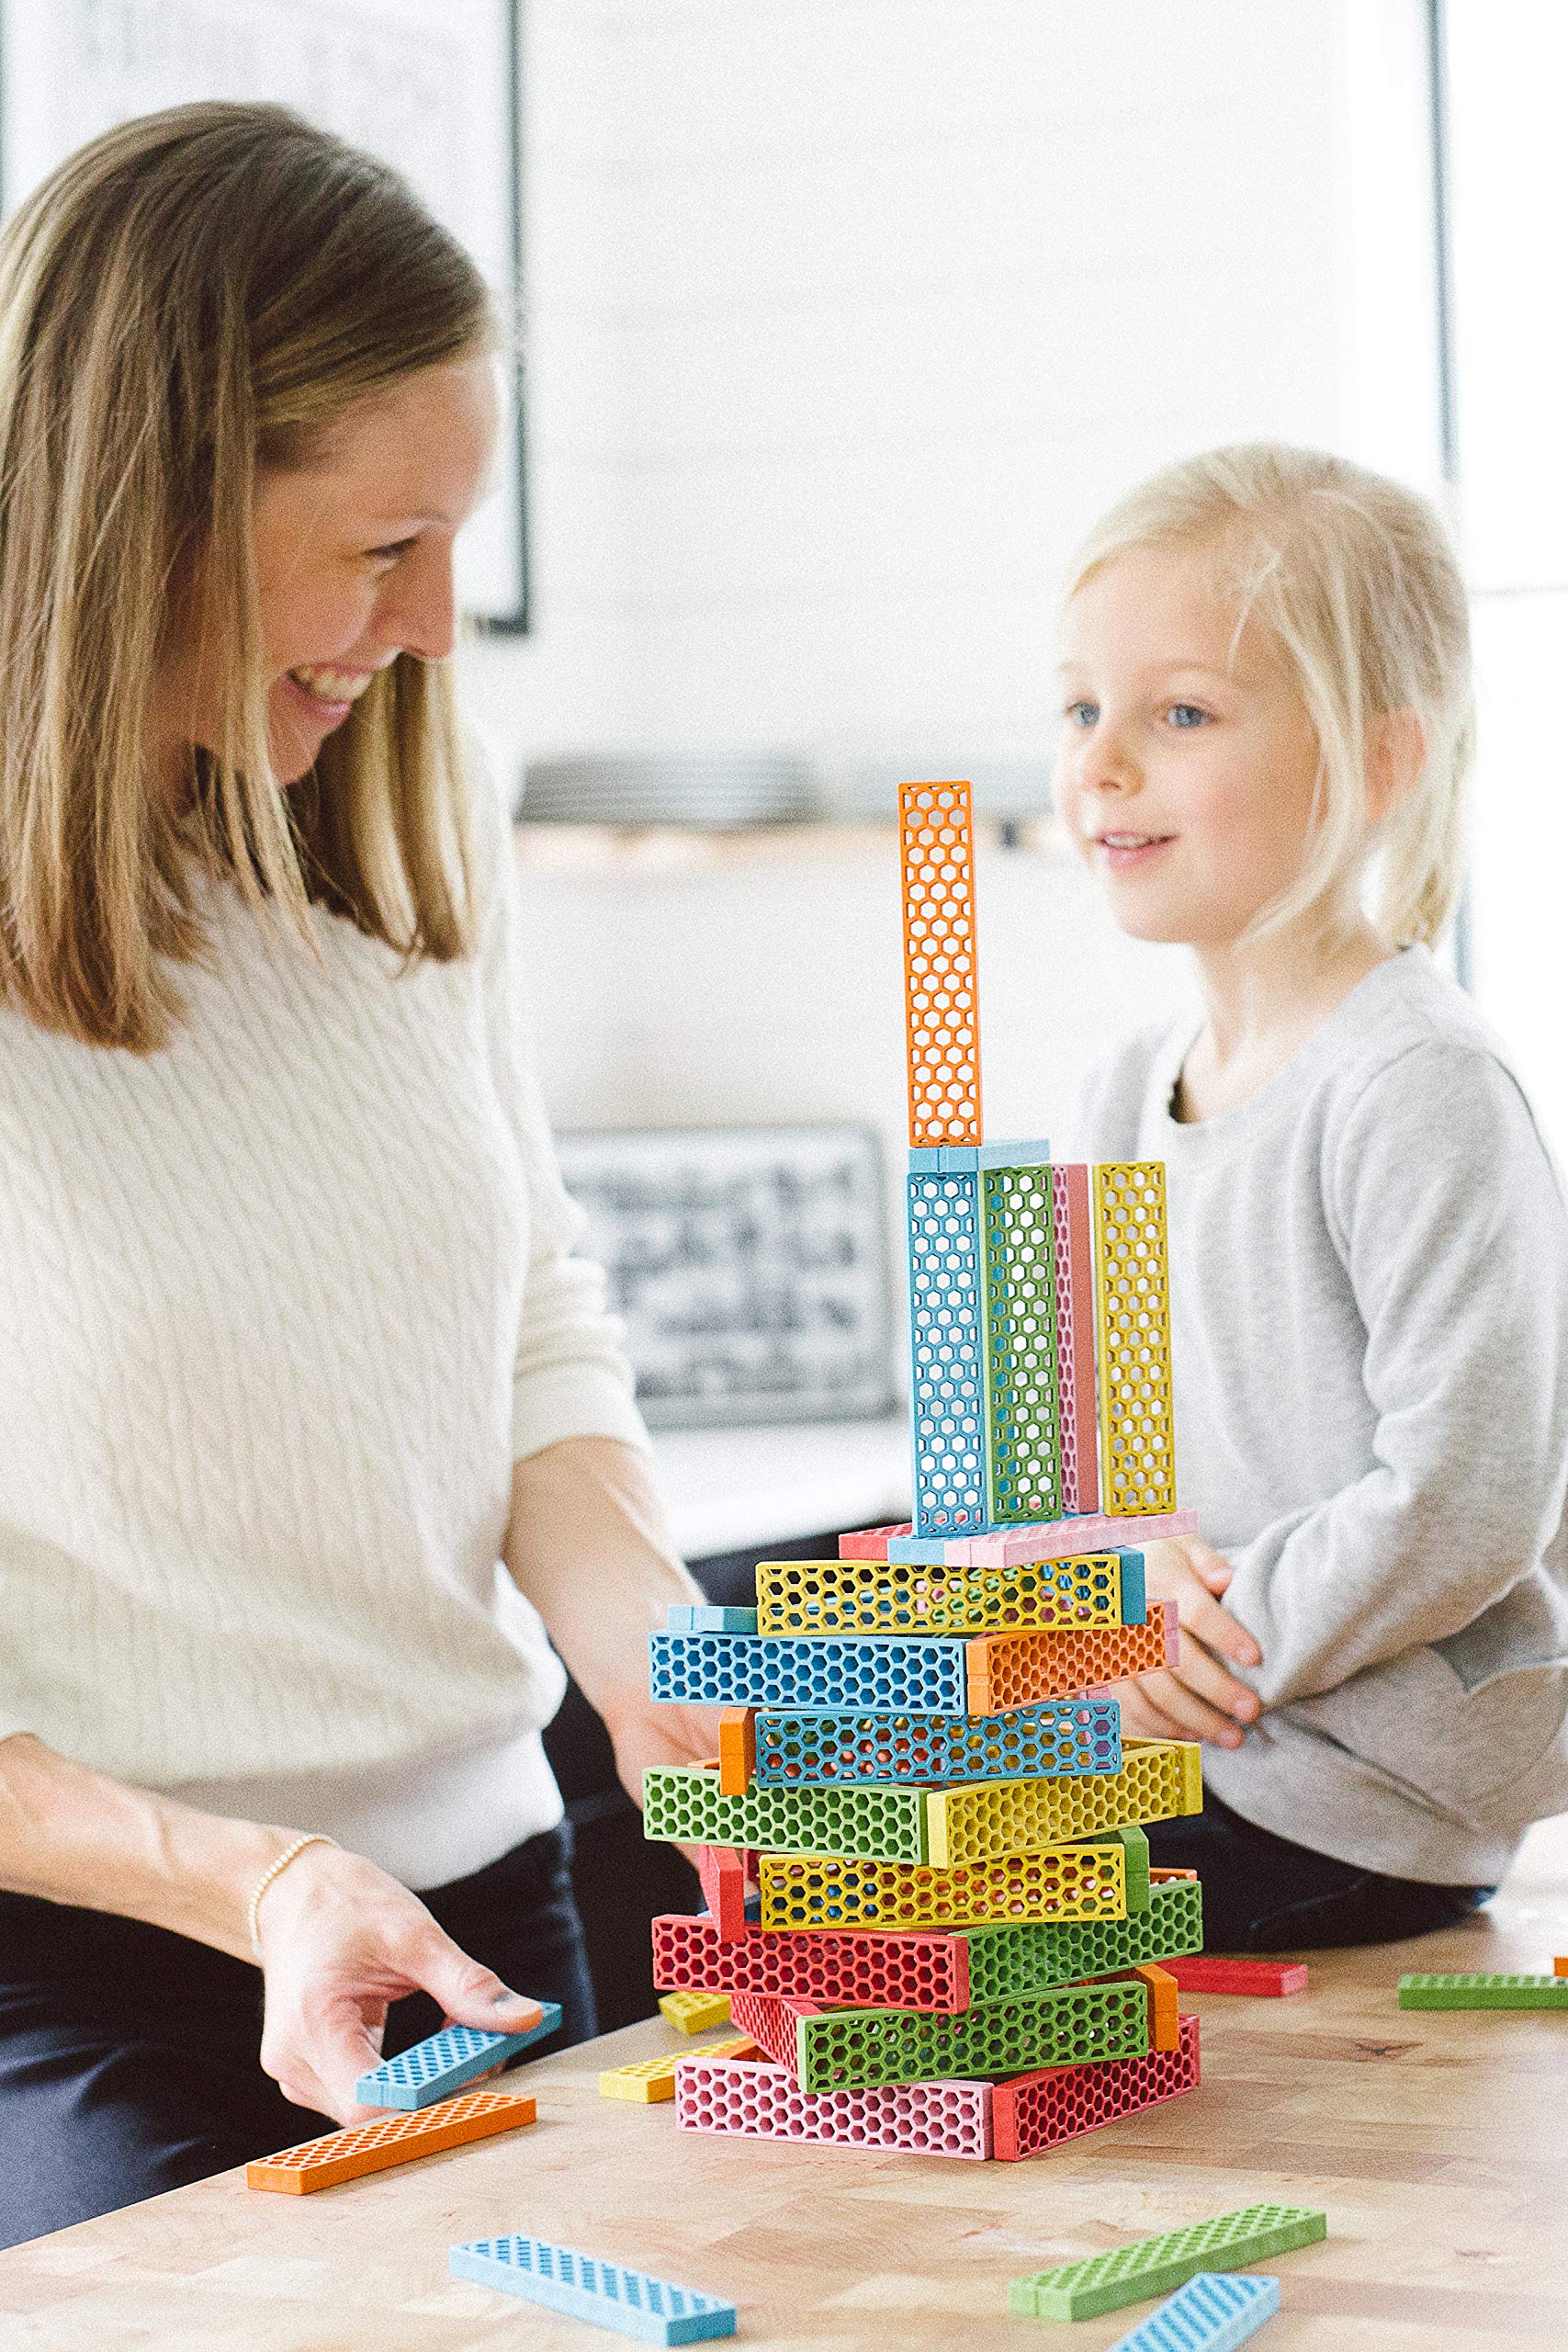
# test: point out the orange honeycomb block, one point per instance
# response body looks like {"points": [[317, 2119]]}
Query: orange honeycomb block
{"points": [[396, 2140], [1560, 1965], [936, 835], [736, 1750], [1009, 1670], [1165, 2009]]}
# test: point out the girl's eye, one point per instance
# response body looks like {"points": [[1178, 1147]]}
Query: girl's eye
{"points": [[1082, 714], [1187, 714]]}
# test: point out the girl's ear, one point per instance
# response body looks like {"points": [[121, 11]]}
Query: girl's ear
{"points": [[1397, 753]]}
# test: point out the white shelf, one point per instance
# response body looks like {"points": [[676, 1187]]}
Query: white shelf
{"points": [[733, 1490]]}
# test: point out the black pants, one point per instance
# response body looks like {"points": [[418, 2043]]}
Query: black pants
{"points": [[1263, 1894], [129, 2056]]}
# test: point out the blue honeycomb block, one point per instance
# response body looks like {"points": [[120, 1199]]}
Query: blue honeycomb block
{"points": [[947, 1362], [1135, 1605], [687, 1618], [1064, 1736], [602, 2294], [874, 1674], [1215, 2312], [445, 2061], [920, 1552]]}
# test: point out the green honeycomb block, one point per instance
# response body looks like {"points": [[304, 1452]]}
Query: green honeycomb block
{"points": [[1104, 2282], [1484, 1992], [862, 1822], [1004, 1961], [1137, 1851], [1066, 2025], [1024, 1458]]}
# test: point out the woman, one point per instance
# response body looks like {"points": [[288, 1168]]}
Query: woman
{"points": [[309, 1418]]}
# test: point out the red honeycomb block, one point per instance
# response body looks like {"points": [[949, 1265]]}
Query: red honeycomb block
{"points": [[1076, 1378], [1036, 2111], [1017, 1669], [736, 1750], [894, 1971], [1206, 1973], [869, 1542], [724, 1874], [395, 2140]]}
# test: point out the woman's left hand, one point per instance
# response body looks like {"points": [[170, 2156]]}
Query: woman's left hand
{"points": [[644, 1733]]}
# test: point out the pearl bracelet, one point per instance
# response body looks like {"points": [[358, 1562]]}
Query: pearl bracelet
{"points": [[289, 1853]]}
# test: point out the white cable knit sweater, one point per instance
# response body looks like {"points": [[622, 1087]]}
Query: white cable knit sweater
{"points": [[280, 1307]]}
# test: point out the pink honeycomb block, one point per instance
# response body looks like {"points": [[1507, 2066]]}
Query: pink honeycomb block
{"points": [[1061, 1539], [872, 1970], [1074, 1255], [756, 2098], [1032, 2112]]}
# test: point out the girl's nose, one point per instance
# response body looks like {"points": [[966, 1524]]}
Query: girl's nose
{"points": [[1109, 765]]}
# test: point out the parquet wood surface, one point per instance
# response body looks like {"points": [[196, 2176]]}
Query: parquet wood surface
{"points": [[1434, 2142]]}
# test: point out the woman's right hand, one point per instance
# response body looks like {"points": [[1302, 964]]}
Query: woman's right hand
{"points": [[340, 1941]]}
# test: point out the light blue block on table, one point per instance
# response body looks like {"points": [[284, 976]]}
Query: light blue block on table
{"points": [[602, 2294], [445, 2061], [1215, 2312]]}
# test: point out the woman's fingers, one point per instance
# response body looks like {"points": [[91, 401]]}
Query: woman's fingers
{"points": [[471, 1995]]}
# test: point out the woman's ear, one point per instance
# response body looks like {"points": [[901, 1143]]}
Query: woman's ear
{"points": [[1397, 753]]}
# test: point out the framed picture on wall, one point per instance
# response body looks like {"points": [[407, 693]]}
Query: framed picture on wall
{"points": [[748, 1265], [430, 86]]}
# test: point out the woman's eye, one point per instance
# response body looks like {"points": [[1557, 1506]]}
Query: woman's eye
{"points": [[1082, 714], [390, 554], [1187, 714]]}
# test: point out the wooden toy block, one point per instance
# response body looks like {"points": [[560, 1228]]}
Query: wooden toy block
{"points": [[628, 2303], [1104, 2282], [395, 2140], [946, 1354], [445, 2061], [828, 2049], [736, 1750], [1160, 1778], [685, 1618], [1484, 1992], [1207, 1972], [684, 1804], [1017, 1669], [1060, 1735], [874, 1674], [722, 1874], [1034, 2112], [1132, 1289], [1076, 1378], [690, 2011], [652, 2081], [1024, 1461], [757, 2099], [1215, 2312], [881, 1597], [1069, 1882], [942, 1004]]}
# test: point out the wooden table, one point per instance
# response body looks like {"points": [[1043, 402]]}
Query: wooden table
{"points": [[1434, 2142]]}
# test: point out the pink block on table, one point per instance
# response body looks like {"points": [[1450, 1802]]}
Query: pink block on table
{"points": [[755, 2099]]}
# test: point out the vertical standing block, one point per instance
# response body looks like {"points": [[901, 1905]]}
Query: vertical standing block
{"points": [[936, 837], [946, 1353], [1024, 1462], [1137, 1445], [1074, 1289], [736, 1750], [723, 1874]]}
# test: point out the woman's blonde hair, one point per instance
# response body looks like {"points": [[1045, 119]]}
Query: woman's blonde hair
{"points": [[1355, 580], [192, 299]]}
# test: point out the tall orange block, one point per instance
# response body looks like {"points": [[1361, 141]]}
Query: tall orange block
{"points": [[942, 1002]]}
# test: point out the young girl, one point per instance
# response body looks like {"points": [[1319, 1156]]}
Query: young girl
{"points": [[1266, 708]]}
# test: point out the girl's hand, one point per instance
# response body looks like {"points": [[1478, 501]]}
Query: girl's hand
{"points": [[340, 1939], [1197, 1698]]}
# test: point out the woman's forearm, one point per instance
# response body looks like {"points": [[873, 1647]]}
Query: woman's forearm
{"points": [[588, 1544], [78, 1836]]}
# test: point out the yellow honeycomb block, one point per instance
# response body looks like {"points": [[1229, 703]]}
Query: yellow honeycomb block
{"points": [[888, 1597], [1065, 1881], [695, 2012], [653, 2079], [1132, 1314], [1158, 1779]]}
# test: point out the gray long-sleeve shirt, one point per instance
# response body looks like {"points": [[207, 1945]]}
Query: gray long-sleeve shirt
{"points": [[1370, 1325]]}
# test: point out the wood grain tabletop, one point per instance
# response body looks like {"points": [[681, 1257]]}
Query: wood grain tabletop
{"points": [[1434, 2141]]}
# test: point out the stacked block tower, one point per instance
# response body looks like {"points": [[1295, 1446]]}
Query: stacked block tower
{"points": [[928, 1886]]}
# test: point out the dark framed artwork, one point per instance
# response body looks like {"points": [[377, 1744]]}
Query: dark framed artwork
{"points": [[749, 1264], [430, 86]]}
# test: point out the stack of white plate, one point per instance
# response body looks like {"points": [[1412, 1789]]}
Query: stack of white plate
{"points": [[714, 790]]}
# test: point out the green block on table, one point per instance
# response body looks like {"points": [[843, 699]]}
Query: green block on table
{"points": [[1482, 1992], [1104, 2282]]}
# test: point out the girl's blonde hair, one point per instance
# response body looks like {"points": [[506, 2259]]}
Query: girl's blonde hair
{"points": [[191, 299], [1355, 580]]}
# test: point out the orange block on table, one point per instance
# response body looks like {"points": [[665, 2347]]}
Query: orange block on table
{"points": [[395, 2140]]}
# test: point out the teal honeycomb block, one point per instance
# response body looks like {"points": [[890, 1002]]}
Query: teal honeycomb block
{"points": [[866, 1823], [1482, 1992], [1023, 1453], [628, 2303], [687, 1617], [1019, 1959], [1058, 1739], [1135, 1600], [1063, 2025], [947, 1352], [1215, 2312], [1104, 2282], [443, 2061]]}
